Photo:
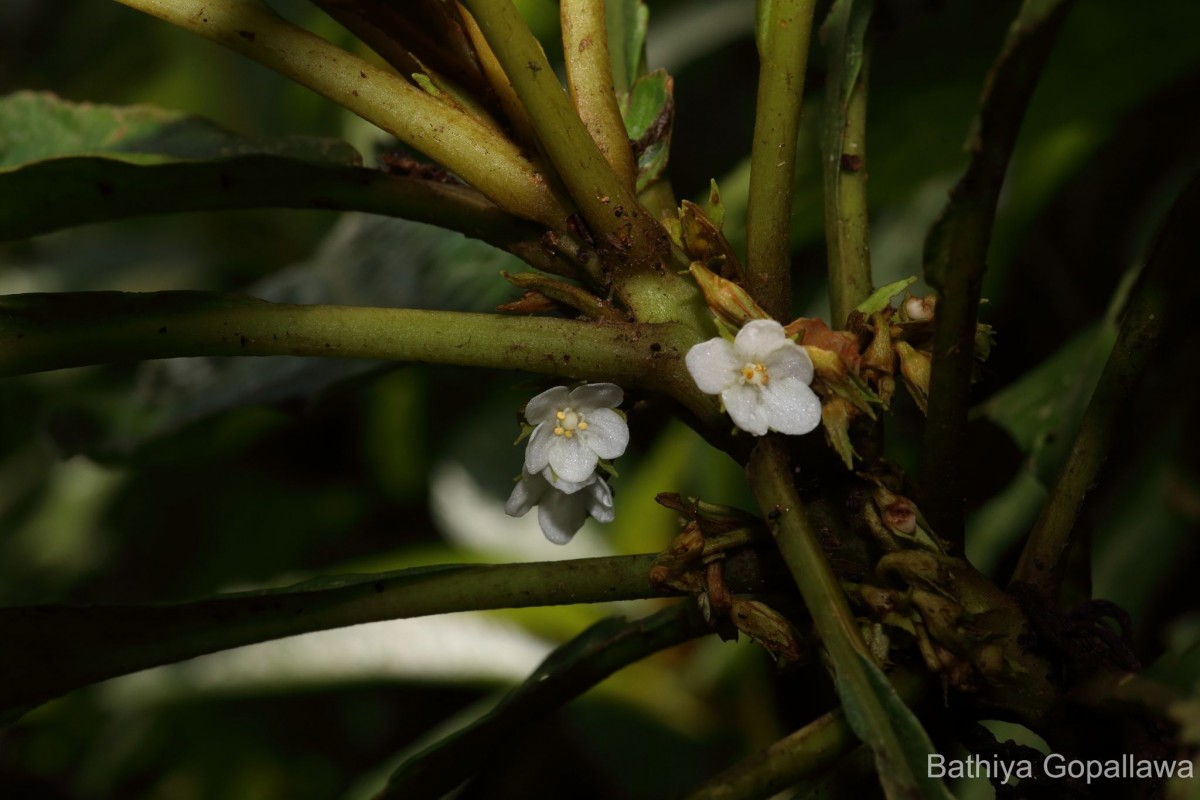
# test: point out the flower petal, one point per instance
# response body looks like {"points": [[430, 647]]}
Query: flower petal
{"points": [[537, 451], [561, 484], [542, 408], [600, 501], [525, 495], [712, 365], [790, 361], [561, 516], [607, 435], [571, 458], [792, 407], [596, 395], [758, 339], [745, 406]]}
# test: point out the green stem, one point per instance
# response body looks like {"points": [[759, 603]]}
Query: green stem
{"points": [[422, 39], [956, 252], [53, 649], [771, 481], [875, 712], [40, 332], [245, 182], [442, 131], [1156, 302], [784, 30], [796, 757], [607, 204], [590, 80], [844, 154]]}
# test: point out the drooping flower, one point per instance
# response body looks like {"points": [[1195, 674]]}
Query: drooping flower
{"points": [[763, 379], [563, 506], [574, 429]]}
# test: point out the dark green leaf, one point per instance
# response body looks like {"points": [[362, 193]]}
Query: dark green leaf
{"points": [[902, 748], [64, 164], [649, 113], [626, 21], [572, 669]]}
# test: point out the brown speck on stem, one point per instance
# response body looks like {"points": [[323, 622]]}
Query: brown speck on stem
{"points": [[247, 35]]}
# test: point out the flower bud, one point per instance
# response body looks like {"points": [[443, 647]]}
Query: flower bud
{"points": [[918, 309], [915, 366], [729, 302], [768, 627]]}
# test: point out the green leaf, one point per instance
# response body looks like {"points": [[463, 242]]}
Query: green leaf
{"points": [[626, 21], [882, 298], [1043, 409], [572, 669], [902, 747], [649, 113], [64, 164], [36, 126]]}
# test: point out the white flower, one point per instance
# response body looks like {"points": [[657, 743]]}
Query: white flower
{"points": [[562, 505], [574, 430], [763, 379]]}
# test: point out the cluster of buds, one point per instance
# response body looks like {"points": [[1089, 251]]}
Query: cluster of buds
{"points": [[694, 564]]}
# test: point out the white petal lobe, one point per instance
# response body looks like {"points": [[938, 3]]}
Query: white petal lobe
{"points": [[746, 409], [712, 365], [571, 459], [792, 407], [543, 407], [596, 395], [537, 451], [758, 339], [607, 435]]}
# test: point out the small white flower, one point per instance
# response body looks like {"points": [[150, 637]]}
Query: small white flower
{"points": [[574, 430], [763, 379], [562, 505]]}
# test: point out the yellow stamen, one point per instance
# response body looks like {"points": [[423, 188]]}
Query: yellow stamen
{"points": [[755, 373], [569, 434], [558, 431], [583, 426]]}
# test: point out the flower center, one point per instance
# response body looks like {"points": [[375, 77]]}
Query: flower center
{"points": [[755, 373], [569, 421]]}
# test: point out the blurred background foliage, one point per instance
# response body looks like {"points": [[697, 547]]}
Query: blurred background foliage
{"points": [[141, 483]]}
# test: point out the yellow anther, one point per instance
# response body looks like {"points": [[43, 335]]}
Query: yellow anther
{"points": [[583, 426], [568, 434], [561, 415], [755, 373], [559, 431]]}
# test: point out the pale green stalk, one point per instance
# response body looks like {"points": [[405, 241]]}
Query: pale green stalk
{"points": [[783, 33], [590, 81], [844, 153], [873, 709], [52, 649], [443, 131], [607, 204]]}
